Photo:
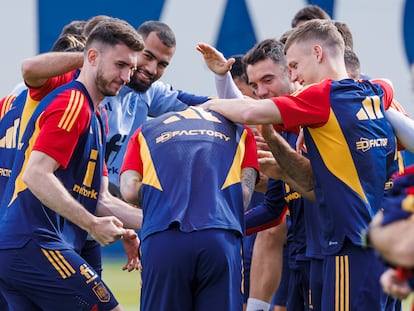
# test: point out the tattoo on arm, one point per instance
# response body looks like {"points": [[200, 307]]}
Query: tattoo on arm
{"points": [[248, 179], [296, 166]]}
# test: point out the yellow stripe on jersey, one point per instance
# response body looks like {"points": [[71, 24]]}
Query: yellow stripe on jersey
{"points": [[72, 110], [341, 283], [149, 174], [19, 185], [90, 170], [234, 174], [336, 155], [400, 159], [59, 263], [29, 106]]}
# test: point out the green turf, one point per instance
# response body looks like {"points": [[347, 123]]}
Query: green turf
{"points": [[126, 286], [407, 303]]}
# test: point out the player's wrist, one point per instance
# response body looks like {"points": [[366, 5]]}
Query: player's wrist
{"points": [[366, 237]]}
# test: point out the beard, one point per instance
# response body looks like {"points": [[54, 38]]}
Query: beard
{"points": [[102, 83], [137, 85]]}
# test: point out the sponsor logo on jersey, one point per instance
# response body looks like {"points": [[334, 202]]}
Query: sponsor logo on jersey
{"points": [[5, 172], [292, 196], [389, 184], [93, 194], [88, 273], [366, 144], [168, 135]]}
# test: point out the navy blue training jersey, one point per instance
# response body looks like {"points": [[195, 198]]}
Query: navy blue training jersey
{"points": [[65, 127]]}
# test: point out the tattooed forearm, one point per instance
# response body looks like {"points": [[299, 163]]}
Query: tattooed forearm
{"points": [[248, 179], [296, 166]]}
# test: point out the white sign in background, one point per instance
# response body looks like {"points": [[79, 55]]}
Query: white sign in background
{"points": [[376, 26]]}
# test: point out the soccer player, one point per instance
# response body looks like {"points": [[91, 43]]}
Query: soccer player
{"points": [[335, 112], [196, 224], [11, 124], [42, 74], [44, 224], [267, 74], [142, 97]]}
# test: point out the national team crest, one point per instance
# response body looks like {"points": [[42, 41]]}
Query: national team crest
{"points": [[101, 292]]}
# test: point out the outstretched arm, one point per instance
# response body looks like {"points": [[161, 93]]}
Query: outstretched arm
{"points": [[214, 59], [218, 64], [403, 127], [247, 110]]}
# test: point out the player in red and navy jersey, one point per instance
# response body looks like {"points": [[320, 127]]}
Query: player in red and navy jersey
{"points": [[42, 74], [56, 186], [196, 170], [348, 142], [11, 122], [267, 73]]}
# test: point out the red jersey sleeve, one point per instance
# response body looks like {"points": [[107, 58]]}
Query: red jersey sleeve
{"points": [[5, 104], [388, 91], [250, 155], [51, 84], [132, 157], [301, 108], [61, 125]]}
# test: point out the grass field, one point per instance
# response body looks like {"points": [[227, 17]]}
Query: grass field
{"points": [[126, 286], [407, 303]]}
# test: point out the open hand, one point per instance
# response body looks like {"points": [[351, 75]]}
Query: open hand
{"points": [[214, 59]]}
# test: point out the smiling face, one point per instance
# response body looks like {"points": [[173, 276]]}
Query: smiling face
{"points": [[268, 78], [152, 63], [303, 61]]}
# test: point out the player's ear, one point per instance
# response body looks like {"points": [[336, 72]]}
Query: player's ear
{"points": [[317, 52], [93, 55]]}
